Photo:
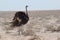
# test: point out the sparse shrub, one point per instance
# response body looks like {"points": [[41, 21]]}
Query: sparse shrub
{"points": [[51, 28], [58, 38], [58, 29]]}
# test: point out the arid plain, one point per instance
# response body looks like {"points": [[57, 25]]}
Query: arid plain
{"points": [[42, 25]]}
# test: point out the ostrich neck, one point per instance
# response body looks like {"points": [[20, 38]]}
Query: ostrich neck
{"points": [[26, 11]]}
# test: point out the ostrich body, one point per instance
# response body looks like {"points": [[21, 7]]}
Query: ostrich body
{"points": [[20, 18]]}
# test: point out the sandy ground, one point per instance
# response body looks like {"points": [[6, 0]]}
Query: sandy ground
{"points": [[43, 25]]}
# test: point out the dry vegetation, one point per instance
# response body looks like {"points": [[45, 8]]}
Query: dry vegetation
{"points": [[43, 25]]}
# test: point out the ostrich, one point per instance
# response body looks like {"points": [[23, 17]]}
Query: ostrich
{"points": [[20, 18]]}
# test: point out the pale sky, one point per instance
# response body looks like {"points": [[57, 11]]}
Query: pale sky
{"points": [[15, 5]]}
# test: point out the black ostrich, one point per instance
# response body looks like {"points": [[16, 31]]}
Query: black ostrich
{"points": [[20, 18]]}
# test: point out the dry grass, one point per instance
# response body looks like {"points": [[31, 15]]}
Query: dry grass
{"points": [[36, 29]]}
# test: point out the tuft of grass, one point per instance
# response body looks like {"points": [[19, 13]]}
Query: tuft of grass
{"points": [[31, 33], [28, 32]]}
